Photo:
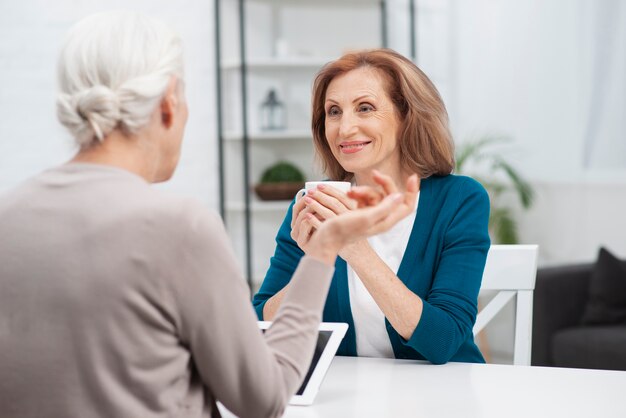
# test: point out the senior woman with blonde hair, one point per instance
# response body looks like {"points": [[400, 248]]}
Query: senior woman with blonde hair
{"points": [[412, 291], [118, 300]]}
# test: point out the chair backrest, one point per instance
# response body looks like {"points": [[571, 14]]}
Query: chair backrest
{"points": [[511, 270]]}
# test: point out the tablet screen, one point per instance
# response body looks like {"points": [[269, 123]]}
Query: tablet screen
{"points": [[329, 337], [322, 340]]}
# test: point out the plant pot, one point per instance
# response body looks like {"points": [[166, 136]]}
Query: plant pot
{"points": [[278, 191]]}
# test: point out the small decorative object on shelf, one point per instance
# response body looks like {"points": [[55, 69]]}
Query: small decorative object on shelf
{"points": [[272, 113], [281, 181]]}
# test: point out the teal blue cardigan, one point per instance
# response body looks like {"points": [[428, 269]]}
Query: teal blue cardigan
{"points": [[443, 264]]}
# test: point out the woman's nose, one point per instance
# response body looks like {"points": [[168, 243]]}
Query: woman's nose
{"points": [[347, 126]]}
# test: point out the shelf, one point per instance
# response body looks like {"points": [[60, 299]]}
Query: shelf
{"points": [[260, 206], [319, 3], [271, 135], [291, 63], [273, 44]]}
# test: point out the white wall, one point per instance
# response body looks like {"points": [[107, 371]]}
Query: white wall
{"points": [[550, 74], [572, 220], [31, 33]]}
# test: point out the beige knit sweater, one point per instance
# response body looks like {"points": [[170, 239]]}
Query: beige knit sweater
{"points": [[117, 300]]}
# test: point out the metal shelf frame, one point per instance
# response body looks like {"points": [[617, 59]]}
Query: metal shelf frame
{"points": [[245, 136]]}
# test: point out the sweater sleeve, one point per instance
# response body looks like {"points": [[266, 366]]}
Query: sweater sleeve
{"points": [[282, 265], [250, 373], [450, 307]]}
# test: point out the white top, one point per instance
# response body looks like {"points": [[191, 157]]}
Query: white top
{"points": [[372, 339]]}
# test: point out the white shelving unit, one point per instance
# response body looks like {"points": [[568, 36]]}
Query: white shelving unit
{"points": [[282, 135], [279, 45], [282, 63]]}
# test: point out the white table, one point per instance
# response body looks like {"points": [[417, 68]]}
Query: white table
{"points": [[364, 387]]}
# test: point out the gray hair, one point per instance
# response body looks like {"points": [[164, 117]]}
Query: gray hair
{"points": [[113, 70]]}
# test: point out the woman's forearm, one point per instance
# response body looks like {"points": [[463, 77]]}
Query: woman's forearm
{"points": [[399, 304]]}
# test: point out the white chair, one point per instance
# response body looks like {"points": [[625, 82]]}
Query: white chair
{"points": [[511, 270]]}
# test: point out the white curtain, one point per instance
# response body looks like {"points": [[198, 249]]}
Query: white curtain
{"points": [[605, 131]]}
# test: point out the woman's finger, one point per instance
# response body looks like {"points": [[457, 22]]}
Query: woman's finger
{"points": [[302, 216], [304, 232], [366, 221], [295, 211], [316, 207], [332, 198], [334, 192], [385, 181], [389, 205], [297, 223], [365, 196], [315, 222]]}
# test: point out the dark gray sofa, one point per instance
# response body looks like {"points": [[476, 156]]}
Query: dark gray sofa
{"points": [[558, 337]]}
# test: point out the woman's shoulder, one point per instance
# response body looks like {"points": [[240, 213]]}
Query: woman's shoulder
{"points": [[167, 214], [190, 213], [179, 223]]}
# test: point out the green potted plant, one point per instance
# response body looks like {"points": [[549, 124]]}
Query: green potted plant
{"points": [[280, 181], [502, 181]]}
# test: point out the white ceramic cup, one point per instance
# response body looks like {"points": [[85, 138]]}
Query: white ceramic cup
{"points": [[343, 186]]}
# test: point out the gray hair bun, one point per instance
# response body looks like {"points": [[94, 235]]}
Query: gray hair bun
{"points": [[113, 70], [93, 112]]}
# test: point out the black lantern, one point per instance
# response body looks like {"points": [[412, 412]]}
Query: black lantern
{"points": [[272, 113]]}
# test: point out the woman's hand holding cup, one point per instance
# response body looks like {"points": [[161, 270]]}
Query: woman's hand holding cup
{"points": [[320, 203], [331, 193], [329, 237]]}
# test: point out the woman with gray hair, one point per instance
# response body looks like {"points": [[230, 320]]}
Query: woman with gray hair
{"points": [[118, 300]]}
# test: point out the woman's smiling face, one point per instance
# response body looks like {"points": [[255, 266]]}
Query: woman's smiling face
{"points": [[362, 123]]}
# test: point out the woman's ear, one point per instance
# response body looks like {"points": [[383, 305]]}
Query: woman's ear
{"points": [[169, 103]]}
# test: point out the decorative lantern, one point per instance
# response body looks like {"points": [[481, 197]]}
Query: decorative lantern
{"points": [[272, 113]]}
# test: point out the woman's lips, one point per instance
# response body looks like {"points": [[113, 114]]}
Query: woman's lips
{"points": [[353, 146]]}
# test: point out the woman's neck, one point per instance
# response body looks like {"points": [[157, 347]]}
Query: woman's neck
{"points": [[120, 151], [399, 177]]}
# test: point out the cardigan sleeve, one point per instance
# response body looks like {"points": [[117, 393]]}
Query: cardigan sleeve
{"points": [[250, 373], [282, 265], [450, 307]]}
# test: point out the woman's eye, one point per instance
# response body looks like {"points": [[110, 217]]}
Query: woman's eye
{"points": [[333, 111], [365, 107]]}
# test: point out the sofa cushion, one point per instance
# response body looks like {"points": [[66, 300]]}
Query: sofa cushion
{"points": [[607, 292], [597, 347]]}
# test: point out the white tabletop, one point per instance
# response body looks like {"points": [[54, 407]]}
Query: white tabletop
{"points": [[365, 387]]}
